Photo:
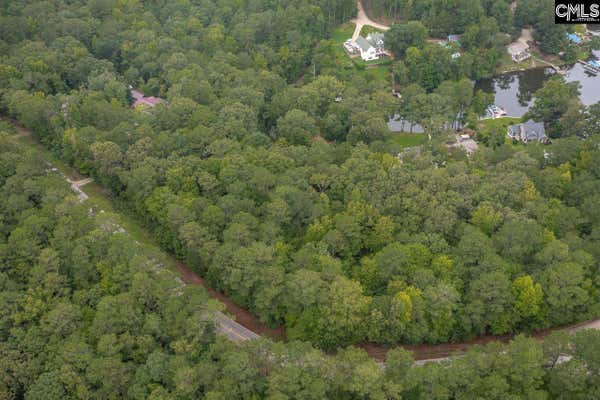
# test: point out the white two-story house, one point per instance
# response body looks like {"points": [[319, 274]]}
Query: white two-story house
{"points": [[367, 51]]}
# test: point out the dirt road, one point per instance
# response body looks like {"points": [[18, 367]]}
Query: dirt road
{"points": [[440, 352], [363, 19], [243, 325], [244, 320], [246, 326]]}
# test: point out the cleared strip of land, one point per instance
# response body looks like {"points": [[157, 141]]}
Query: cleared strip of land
{"points": [[242, 325]]}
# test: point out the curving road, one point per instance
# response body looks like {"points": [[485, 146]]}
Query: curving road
{"points": [[224, 324], [363, 19], [252, 328]]}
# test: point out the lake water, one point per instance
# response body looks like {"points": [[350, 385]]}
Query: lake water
{"points": [[514, 91], [397, 124]]}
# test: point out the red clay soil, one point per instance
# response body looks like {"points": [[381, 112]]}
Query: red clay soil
{"points": [[443, 350], [376, 351], [242, 316], [432, 351]]}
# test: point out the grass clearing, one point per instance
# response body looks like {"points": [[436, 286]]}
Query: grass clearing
{"points": [[339, 36], [408, 139], [508, 65], [343, 32], [367, 29], [498, 123], [366, 64], [371, 71]]}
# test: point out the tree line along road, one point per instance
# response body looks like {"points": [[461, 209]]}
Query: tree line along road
{"points": [[245, 326]]}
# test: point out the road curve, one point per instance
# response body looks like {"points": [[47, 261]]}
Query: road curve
{"points": [[248, 327], [245, 325], [363, 19]]}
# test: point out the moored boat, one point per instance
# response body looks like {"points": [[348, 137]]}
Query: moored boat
{"points": [[493, 111]]}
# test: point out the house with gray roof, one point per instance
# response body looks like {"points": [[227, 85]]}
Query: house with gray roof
{"points": [[369, 48], [529, 131], [368, 52], [376, 39]]}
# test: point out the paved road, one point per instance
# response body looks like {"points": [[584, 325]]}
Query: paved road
{"points": [[234, 331], [237, 333], [363, 19], [225, 325]]}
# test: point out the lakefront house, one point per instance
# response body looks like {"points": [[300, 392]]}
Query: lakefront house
{"points": [[527, 132]]}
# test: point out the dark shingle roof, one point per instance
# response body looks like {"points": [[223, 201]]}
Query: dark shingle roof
{"points": [[362, 43], [534, 131], [528, 131]]}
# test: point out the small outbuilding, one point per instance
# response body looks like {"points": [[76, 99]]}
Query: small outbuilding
{"points": [[454, 38]]}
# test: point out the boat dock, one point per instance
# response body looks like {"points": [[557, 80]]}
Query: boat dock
{"points": [[556, 68], [589, 67]]}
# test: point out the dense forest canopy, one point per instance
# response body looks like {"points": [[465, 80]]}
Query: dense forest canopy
{"points": [[86, 314], [445, 17], [268, 171], [484, 23], [458, 16], [336, 239]]}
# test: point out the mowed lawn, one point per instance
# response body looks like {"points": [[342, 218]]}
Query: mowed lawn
{"points": [[508, 65], [497, 123], [339, 36], [342, 33], [372, 70], [408, 139]]}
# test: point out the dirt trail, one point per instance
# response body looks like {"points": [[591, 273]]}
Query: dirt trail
{"points": [[238, 325], [422, 352]]}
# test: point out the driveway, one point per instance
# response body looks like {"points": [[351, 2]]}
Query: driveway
{"points": [[363, 19]]}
